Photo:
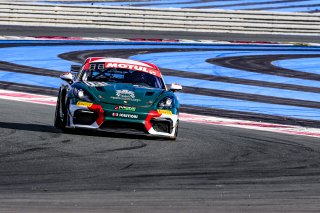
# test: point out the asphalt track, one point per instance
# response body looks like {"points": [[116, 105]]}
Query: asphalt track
{"points": [[114, 33], [208, 169], [212, 169]]}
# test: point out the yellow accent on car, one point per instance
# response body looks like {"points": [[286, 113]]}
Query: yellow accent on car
{"points": [[84, 104], [163, 111]]}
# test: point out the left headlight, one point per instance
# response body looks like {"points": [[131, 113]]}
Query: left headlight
{"points": [[81, 94], [166, 103]]}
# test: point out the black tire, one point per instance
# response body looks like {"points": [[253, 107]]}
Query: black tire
{"points": [[61, 107], [176, 132], [57, 118]]}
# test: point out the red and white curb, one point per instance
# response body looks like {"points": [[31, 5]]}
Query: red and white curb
{"points": [[209, 120], [27, 97], [270, 127]]}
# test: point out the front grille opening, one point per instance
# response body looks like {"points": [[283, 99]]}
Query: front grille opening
{"points": [[162, 125], [84, 117], [123, 125]]}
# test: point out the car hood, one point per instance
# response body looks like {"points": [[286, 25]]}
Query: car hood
{"points": [[127, 94]]}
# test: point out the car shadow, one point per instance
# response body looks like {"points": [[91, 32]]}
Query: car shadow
{"points": [[110, 134], [29, 127], [86, 132]]}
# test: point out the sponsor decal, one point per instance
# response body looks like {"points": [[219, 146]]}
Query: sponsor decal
{"points": [[96, 84], [125, 108], [131, 67], [100, 84], [84, 104], [163, 111], [123, 115], [136, 67], [125, 95]]}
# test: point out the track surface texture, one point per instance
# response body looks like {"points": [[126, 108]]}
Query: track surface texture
{"points": [[214, 169], [208, 169], [90, 32]]}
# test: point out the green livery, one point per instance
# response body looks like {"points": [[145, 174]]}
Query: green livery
{"points": [[113, 94]]}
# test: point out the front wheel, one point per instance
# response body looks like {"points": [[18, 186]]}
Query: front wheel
{"points": [[174, 137], [60, 119], [57, 117]]}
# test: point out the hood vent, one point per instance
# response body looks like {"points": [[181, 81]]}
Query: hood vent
{"points": [[101, 89], [149, 93]]}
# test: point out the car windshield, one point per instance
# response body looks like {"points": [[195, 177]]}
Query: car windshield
{"points": [[119, 75]]}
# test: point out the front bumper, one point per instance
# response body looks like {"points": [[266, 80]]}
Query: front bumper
{"points": [[108, 116]]}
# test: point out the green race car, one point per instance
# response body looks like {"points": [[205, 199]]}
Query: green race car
{"points": [[114, 93]]}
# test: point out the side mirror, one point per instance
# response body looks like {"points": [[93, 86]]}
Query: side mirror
{"points": [[175, 87], [75, 68], [68, 77]]}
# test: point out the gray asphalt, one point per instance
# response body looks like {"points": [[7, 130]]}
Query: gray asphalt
{"points": [[112, 33], [209, 168]]}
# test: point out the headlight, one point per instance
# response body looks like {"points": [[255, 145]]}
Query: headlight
{"points": [[81, 94], [166, 103]]}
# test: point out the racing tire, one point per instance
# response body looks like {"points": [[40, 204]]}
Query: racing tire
{"points": [[58, 123], [57, 118], [175, 132]]}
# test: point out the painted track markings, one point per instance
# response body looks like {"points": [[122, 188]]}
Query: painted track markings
{"points": [[201, 119]]}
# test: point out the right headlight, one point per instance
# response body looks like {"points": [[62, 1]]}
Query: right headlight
{"points": [[166, 103]]}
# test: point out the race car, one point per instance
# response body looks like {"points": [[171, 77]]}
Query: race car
{"points": [[118, 94]]}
